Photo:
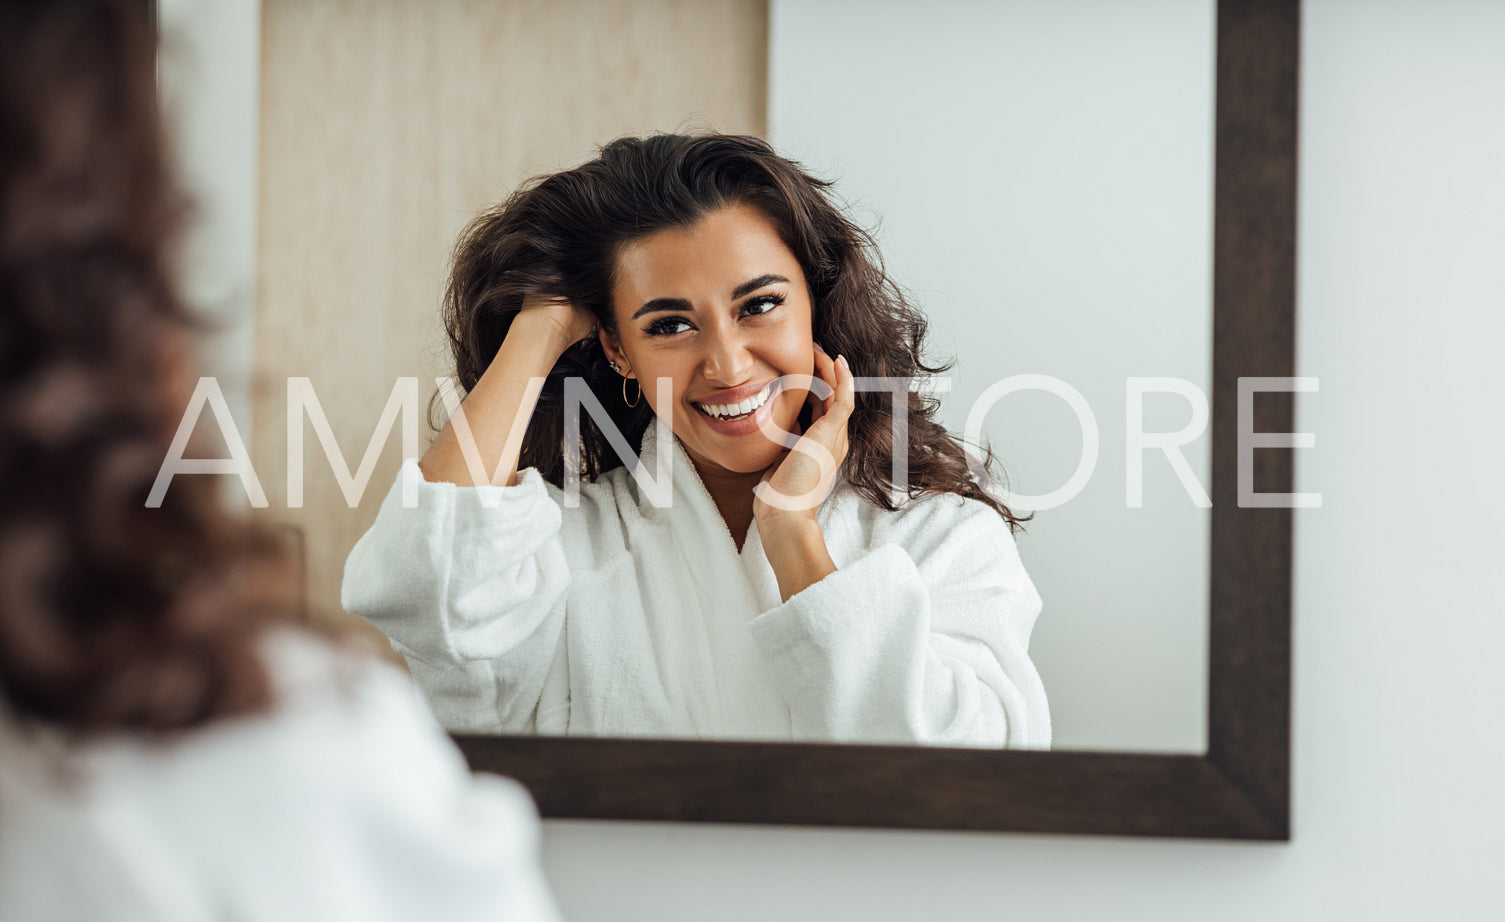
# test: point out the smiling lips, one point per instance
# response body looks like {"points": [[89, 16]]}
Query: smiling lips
{"points": [[736, 410]]}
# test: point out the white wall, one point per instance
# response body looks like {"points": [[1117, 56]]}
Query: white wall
{"points": [[1399, 685], [1040, 178]]}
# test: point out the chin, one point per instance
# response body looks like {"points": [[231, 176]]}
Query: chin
{"points": [[741, 459], [748, 460], [753, 462]]}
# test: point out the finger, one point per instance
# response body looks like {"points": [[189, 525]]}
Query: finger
{"points": [[825, 369], [846, 402], [835, 412], [817, 407], [843, 396], [846, 386], [825, 365]]}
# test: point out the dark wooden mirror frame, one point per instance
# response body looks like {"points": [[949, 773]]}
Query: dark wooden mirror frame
{"points": [[1240, 789]]}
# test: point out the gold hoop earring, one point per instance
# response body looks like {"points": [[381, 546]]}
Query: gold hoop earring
{"points": [[618, 369]]}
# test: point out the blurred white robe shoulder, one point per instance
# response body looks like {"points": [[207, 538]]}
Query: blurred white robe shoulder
{"points": [[346, 801], [519, 611]]}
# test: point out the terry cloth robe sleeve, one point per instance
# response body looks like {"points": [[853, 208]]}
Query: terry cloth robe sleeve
{"points": [[469, 588], [925, 643]]}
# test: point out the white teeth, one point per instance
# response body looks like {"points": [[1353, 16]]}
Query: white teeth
{"points": [[738, 409]]}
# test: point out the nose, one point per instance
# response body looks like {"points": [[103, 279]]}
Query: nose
{"points": [[727, 361]]}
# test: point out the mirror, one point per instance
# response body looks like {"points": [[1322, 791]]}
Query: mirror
{"points": [[1041, 176], [375, 149]]}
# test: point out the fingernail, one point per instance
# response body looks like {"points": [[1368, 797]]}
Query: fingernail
{"points": [[842, 360], [820, 347]]}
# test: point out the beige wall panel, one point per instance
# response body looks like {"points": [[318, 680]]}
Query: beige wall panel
{"points": [[384, 127]]}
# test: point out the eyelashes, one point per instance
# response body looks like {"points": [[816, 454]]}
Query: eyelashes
{"points": [[664, 326], [669, 326], [772, 301]]}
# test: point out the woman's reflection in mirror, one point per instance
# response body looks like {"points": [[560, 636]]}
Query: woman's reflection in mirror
{"points": [[790, 589]]}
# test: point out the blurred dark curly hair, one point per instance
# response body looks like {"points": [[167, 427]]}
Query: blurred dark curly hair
{"points": [[113, 616]]}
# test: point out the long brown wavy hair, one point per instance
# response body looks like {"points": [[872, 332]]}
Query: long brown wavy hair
{"points": [[561, 234], [113, 616]]}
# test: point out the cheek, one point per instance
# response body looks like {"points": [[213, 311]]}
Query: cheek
{"points": [[677, 390], [797, 350]]}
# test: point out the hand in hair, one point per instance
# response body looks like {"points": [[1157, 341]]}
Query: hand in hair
{"points": [[497, 410], [572, 321]]}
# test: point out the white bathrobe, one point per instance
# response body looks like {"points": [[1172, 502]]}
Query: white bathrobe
{"points": [[344, 801], [517, 613]]}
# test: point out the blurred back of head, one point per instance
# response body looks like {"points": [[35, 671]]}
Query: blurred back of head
{"points": [[113, 616]]}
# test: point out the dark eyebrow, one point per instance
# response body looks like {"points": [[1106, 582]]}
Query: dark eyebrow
{"points": [[663, 304], [680, 304], [747, 288]]}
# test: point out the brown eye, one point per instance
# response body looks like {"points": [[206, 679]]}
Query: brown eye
{"points": [[767, 303], [666, 326]]}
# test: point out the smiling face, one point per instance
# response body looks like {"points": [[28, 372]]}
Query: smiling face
{"points": [[722, 309]]}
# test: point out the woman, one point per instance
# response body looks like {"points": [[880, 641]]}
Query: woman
{"points": [[786, 585], [172, 746]]}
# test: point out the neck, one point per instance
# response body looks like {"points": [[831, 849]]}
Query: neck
{"points": [[733, 495]]}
